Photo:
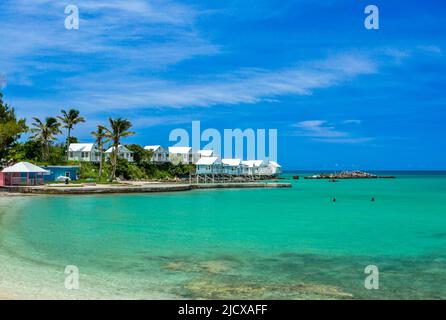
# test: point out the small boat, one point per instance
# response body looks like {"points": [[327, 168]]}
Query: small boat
{"points": [[332, 180], [296, 177]]}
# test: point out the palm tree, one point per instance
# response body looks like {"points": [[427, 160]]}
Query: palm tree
{"points": [[69, 119], [118, 129], [101, 140], [45, 133]]}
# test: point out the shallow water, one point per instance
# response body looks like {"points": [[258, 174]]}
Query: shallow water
{"points": [[277, 243]]}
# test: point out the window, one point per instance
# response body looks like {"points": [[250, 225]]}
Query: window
{"points": [[71, 154]]}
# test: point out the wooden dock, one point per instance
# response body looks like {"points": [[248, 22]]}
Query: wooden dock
{"points": [[228, 178]]}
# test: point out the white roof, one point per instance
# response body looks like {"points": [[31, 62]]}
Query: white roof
{"points": [[274, 164], [121, 149], [253, 163], [85, 147], [231, 162], [205, 153], [24, 167], [154, 148], [207, 161], [180, 150]]}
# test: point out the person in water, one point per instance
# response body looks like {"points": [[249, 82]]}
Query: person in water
{"points": [[373, 199]]}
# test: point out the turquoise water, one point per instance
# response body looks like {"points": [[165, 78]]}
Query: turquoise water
{"points": [[251, 243]]}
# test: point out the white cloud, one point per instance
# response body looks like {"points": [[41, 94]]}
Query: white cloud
{"points": [[346, 140], [322, 131], [431, 49], [122, 90], [153, 121], [352, 121], [142, 35], [3, 81], [318, 129], [155, 11]]}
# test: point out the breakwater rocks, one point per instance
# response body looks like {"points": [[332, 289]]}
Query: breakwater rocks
{"points": [[348, 175]]}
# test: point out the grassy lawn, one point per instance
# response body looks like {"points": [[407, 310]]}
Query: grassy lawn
{"points": [[83, 181]]}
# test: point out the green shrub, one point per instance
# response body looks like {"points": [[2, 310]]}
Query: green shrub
{"points": [[90, 170], [167, 170], [129, 171]]}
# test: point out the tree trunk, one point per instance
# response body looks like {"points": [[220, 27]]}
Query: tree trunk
{"points": [[100, 163], [68, 143], [43, 147], [47, 151], [114, 162], [113, 175]]}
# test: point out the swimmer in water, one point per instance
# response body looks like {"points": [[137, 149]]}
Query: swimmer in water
{"points": [[373, 199]]}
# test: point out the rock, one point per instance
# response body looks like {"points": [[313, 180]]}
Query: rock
{"points": [[211, 266], [211, 289], [215, 266], [179, 266]]}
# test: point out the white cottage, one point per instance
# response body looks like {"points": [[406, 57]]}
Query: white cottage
{"points": [[252, 167], [208, 165], [268, 168], [202, 153], [180, 155], [123, 153], [274, 168], [159, 154], [232, 166], [83, 152]]}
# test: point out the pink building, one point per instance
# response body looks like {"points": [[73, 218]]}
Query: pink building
{"points": [[22, 174]]}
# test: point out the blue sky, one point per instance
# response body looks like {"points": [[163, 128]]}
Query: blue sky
{"points": [[340, 96]]}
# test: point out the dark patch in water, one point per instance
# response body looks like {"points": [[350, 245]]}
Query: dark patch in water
{"points": [[440, 235], [166, 258], [292, 275], [240, 288]]}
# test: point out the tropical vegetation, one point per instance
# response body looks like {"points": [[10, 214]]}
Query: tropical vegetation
{"points": [[45, 133], [11, 128], [119, 128], [42, 147], [69, 120]]}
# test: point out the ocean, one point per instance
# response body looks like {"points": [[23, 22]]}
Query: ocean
{"points": [[294, 243]]}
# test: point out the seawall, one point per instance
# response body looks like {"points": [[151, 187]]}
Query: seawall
{"points": [[149, 188]]}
